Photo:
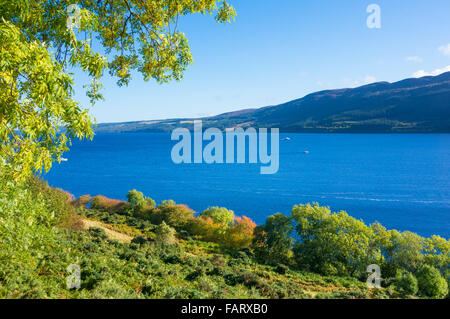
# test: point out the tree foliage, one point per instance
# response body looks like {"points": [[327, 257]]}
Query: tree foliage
{"points": [[219, 215], [140, 205], [38, 115], [273, 240], [431, 282], [165, 234], [406, 283], [331, 243]]}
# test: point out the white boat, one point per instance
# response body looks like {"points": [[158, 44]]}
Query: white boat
{"points": [[306, 152], [286, 139], [64, 159]]}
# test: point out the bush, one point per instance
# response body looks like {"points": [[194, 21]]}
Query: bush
{"points": [[139, 240], [206, 229], [57, 202], [178, 216], [245, 277], [217, 260], [240, 234], [165, 234], [431, 283], [219, 215], [281, 269], [141, 206], [112, 290], [406, 283], [98, 233], [109, 205], [82, 201]]}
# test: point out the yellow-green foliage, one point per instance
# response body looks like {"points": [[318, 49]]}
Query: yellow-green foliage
{"points": [[37, 45], [107, 204], [35, 252]]}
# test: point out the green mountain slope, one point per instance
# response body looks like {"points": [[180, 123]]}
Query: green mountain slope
{"points": [[411, 106]]}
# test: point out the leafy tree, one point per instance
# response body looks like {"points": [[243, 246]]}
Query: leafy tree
{"points": [[431, 283], [219, 215], [136, 199], [178, 216], [150, 202], [331, 243], [35, 100], [240, 234], [273, 240], [437, 254], [206, 229], [38, 115], [406, 250], [140, 206]]}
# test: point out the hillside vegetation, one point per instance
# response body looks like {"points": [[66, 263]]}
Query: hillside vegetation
{"points": [[409, 106], [175, 253]]}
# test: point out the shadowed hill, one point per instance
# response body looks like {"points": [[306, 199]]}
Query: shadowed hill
{"points": [[419, 105]]}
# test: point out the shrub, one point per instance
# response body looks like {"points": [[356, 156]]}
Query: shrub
{"points": [[112, 290], [140, 205], [431, 283], [136, 198], [139, 240], [240, 234], [184, 293], [178, 216], [245, 277], [109, 205], [82, 201], [206, 229], [406, 283], [219, 215], [281, 269], [165, 234], [57, 202], [217, 260], [98, 233]]}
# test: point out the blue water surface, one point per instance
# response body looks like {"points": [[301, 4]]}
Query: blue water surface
{"points": [[402, 181]]}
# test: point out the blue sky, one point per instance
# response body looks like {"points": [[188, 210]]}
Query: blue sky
{"points": [[279, 50]]}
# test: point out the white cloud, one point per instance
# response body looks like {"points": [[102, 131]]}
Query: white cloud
{"points": [[369, 79], [422, 73], [415, 59], [445, 49]]}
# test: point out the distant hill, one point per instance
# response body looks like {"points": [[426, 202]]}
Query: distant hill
{"points": [[418, 105]]}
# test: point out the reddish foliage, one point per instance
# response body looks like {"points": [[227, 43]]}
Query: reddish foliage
{"points": [[107, 204]]}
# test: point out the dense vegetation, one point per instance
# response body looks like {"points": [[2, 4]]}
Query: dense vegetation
{"points": [[172, 252], [40, 40], [138, 249]]}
